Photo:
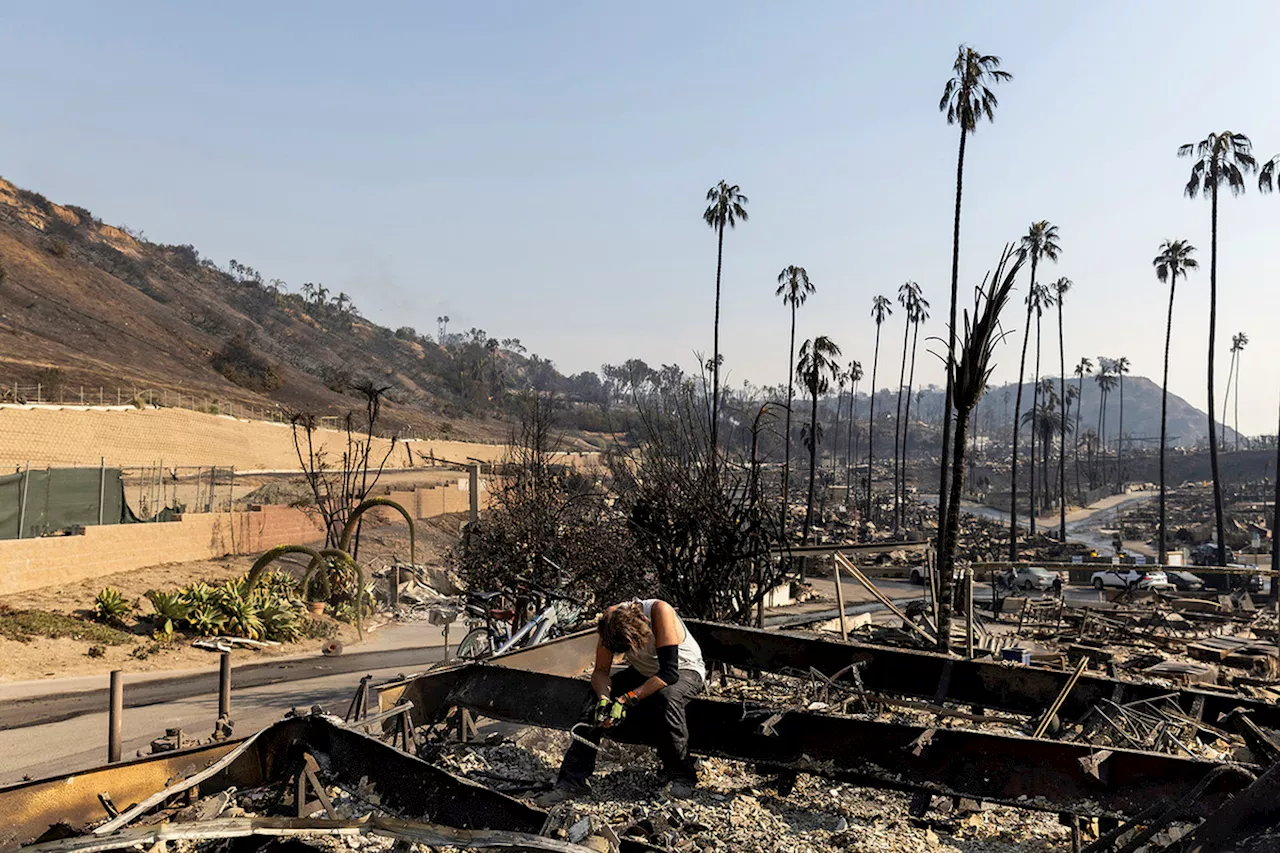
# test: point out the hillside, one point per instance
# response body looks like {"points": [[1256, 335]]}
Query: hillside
{"points": [[83, 303]]}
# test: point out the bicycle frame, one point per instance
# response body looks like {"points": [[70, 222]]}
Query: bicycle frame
{"points": [[535, 630]]}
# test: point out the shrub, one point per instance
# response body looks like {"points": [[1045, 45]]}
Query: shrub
{"points": [[170, 611], [58, 247], [241, 364], [110, 606], [26, 625]]}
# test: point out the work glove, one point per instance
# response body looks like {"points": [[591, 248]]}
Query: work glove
{"points": [[611, 712]]}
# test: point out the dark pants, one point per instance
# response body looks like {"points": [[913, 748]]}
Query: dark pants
{"points": [[658, 721]]}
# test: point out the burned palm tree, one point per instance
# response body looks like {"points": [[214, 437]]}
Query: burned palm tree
{"points": [[815, 369], [977, 343]]}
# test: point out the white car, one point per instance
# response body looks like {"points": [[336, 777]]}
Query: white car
{"points": [[1125, 577]]}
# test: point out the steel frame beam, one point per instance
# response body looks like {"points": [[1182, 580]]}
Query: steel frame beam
{"points": [[1027, 690], [1017, 771]]}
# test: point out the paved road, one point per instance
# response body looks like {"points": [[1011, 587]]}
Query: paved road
{"points": [[42, 710], [80, 742]]}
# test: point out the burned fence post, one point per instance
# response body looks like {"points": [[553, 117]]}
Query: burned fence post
{"points": [[224, 686], [115, 715]]}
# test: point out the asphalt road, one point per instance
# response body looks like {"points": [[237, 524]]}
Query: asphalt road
{"points": [[43, 710]]}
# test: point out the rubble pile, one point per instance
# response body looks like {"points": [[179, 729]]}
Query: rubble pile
{"points": [[736, 809]]}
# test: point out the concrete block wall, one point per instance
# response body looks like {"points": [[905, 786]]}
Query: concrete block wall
{"points": [[27, 564], [433, 501]]}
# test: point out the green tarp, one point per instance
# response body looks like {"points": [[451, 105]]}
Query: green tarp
{"points": [[58, 498]]}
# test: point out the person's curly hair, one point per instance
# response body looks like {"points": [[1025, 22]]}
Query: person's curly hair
{"points": [[623, 629]]}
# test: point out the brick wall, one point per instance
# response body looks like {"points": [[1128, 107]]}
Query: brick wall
{"points": [[33, 563], [432, 501]]}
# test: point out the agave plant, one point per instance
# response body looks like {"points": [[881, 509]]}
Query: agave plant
{"points": [[197, 594], [110, 605], [170, 610], [206, 619], [243, 616], [281, 621]]}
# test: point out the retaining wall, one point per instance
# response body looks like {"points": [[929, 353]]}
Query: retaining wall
{"points": [[27, 564]]}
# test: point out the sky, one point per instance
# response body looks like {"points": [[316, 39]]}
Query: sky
{"points": [[538, 169]]}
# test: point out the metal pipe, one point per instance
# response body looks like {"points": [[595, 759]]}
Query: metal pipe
{"points": [[102, 486], [844, 627], [224, 686], [115, 717], [22, 505], [473, 477]]}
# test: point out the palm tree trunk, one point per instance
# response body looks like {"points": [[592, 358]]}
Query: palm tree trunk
{"points": [[850, 448], [1062, 453], [1239, 355], [813, 462], [1226, 398], [943, 514], [715, 355], [1120, 441], [871, 422], [1213, 328], [786, 443], [1275, 523], [1032, 497], [1102, 437], [947, 555], [897, 426], [1163, 551], [1076, 441], [1017, 416], [906, 414], [835, 434]]}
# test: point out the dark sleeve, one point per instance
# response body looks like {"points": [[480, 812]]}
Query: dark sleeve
{"points": [[669, 664]]}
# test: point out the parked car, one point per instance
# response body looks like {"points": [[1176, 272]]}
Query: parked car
{"points": [[919, 574], [1207, 555], [1130, 576], [1033, 577], [1185, 581]]}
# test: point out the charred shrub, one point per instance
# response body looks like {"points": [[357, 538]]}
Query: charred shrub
{"points": [[240, 363]]}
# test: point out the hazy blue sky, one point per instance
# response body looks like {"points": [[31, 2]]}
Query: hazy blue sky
{"points": [[537, 169]]}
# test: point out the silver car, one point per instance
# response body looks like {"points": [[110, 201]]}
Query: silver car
{"points": [[1033, 577], [1125, 577]]}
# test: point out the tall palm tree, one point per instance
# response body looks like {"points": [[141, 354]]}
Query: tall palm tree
{"points": [[794, 287], [1220, 159], [966, 99], [815, 369], [1060, 288], [920, 313], [1106, 382], [1084, 367], [727, 207], [908, 294], [851, 442], [1120, 367], [1041, 240], [1043, 298], [1173, 260], [881, 308]]}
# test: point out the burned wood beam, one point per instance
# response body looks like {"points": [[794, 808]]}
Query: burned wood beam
{"points": [[1017, 771], [1020, 690]]}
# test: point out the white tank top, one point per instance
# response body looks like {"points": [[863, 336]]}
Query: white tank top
{"points": [[645, 661]]}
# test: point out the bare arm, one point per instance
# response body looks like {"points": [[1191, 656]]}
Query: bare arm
{"points": [[667, 632]]}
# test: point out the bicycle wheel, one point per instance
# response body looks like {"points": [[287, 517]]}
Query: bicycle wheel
{"points": [[476, 645]]}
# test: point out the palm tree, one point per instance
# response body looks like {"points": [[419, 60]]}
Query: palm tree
{"points": [[1043, 298], [840, 377], [851, 440], [727, 206], [1220, 159], [1084, 367], [880, 310], [1106, 382], [966, 99], [815, 369], [1120, 367], [1238, 342], [1041, 240], [794, 287], [920, 313], [907, 296], [1060, 288], [1173, 260]]}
